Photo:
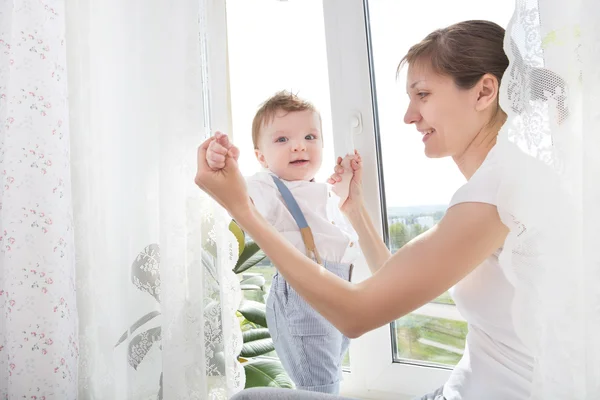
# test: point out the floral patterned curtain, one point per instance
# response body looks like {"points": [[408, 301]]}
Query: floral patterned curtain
{"points": [[115, 270]]}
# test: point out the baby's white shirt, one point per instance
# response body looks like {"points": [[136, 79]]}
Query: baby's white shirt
{"points": [[335, 239]]}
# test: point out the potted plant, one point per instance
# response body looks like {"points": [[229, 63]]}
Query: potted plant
{"points": [[260, 372]]}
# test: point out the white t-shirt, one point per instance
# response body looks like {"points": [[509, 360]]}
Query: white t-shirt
{"points": [[496, 364], [335, 239]]}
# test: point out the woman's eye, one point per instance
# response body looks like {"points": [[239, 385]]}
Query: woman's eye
{"points": [[422, 95]]}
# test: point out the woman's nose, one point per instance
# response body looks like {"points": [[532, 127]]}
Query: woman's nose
{"points": [[412, 115]]}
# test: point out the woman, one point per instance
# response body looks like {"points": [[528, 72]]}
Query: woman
{"points": [[453, 81]]}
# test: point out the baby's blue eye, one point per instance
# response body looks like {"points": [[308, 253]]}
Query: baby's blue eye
{"points": [[281, 140], [310, 137]]}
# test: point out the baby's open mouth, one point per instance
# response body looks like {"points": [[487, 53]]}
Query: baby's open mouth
{"points": [[299, 162]]}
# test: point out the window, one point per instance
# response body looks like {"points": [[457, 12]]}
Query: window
{"points": [[273, 46], [404, 190], [342, 55], [418, 191], [276, 45]]}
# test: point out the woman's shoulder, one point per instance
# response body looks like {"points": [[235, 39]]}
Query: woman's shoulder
{"points": [[484, 184]]}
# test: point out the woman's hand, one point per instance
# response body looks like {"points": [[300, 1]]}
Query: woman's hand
{"points": [[226, 185], [354, 198]]}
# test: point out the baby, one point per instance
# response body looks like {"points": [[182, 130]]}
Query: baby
{"points": [[288, 143]]}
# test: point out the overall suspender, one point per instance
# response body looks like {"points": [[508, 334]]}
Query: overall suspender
{"points": [[292, 205]]}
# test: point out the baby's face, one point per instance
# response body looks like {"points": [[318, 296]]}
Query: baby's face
{"points": [[291, 145]]}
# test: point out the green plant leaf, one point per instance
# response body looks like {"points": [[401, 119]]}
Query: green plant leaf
{"points": [[257, 280], [251, 256], [248, 275], [137, 324], [267, 373], [256, 334], [257, 342], [239, 235], [254, 312], [257, 348], [250, 287], [247, 325]]}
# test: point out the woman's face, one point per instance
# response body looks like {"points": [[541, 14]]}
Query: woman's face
{"points": [[449, 118]]}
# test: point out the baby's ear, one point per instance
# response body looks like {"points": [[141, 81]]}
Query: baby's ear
{"points": [[261, 158]]}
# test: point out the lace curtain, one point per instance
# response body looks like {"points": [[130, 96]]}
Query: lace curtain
{"points": [[115, 270], [550, 193]]}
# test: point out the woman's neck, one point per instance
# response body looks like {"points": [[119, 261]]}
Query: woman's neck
{"points": [[471, 159]]}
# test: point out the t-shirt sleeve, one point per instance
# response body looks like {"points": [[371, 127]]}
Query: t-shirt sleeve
{"points": [[481, 188]]}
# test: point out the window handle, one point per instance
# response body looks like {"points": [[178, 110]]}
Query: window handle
{"points": [[356, 128]]}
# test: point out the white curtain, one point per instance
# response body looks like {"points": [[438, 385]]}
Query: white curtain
{"points": [[38, 310], [115, 269], [550, 196]]}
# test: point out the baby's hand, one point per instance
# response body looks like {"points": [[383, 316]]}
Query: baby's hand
{"points": [[342, 188], [218, 150]]}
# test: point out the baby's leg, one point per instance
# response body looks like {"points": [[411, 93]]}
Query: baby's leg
{"points": [[306, 343], [319, 362]]}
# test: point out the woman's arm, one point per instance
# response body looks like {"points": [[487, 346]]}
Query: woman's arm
{"points": [[347, 184], [420, 271], [372, 246], [416, 274]]}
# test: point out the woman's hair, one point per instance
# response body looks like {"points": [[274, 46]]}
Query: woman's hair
{"points": [[464, 51], [468, 50]]}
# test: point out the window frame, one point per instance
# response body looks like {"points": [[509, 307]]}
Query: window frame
{"points": [[372, 374], [216, 65]]}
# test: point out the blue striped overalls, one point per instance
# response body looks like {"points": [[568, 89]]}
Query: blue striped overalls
{"points": [[310, 348]]}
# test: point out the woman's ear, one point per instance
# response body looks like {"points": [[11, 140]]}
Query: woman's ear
{"points": [[487, 92]]}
